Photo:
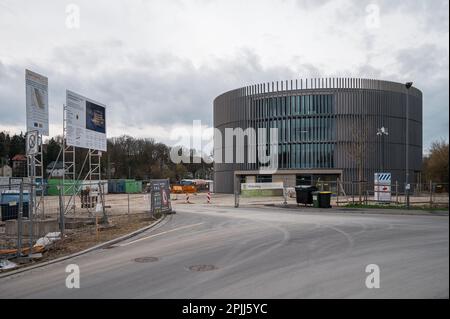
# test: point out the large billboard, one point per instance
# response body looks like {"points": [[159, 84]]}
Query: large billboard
{"points": [[85, 122], [36, 88]]}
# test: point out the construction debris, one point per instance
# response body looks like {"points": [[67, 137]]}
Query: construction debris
{"points": [[5, 264]]}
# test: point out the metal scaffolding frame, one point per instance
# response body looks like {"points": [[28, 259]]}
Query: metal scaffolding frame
{"points": [[68, 157], [35, 172], [69, 164]]}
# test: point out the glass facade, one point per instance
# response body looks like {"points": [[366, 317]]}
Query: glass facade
{"points": [[305, 126], [264, 178]]}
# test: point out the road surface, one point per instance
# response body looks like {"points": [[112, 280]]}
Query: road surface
{"points": [[258, 253]]}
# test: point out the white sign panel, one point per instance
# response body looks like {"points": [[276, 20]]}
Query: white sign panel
{"points": [[245, 186], [382, 187], [36, 87], [32, 143], [85, 122]]}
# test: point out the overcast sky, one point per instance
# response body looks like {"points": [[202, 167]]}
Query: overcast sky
{"points": [[159, 64]]}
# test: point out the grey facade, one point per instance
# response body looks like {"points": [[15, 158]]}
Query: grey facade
{"points": [[325, 126]]}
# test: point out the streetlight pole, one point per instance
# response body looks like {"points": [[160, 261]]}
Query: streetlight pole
{"points": [[382, 132], [408, 85]]}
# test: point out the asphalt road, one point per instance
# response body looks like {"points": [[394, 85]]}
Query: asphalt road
{"points": [[259, 253]]}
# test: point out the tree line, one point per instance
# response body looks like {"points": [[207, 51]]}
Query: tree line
{"points": [[127, 157], [144, 158]]}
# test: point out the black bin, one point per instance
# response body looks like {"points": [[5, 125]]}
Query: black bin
{"points": [[9, 202], [304, 194], [324, 199]]}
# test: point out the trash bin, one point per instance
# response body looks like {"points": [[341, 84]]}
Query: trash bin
{"points": [[303, 194], [315, 199], [9, 202], [324, 199]]}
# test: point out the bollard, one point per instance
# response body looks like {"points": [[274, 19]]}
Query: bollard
{"points": [[187, 198], [208, 198]]}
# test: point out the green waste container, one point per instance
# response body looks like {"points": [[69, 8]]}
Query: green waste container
{"points": [[315, 197], [132, 186]]}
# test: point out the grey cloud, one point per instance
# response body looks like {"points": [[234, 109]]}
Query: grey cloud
{"points": [[147, 89], [12, 97]]}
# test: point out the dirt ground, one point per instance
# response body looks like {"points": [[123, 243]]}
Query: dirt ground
{"points": [[76, 240]]}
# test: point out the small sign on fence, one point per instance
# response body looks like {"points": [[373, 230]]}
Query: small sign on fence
{"points": [[382, 187]]}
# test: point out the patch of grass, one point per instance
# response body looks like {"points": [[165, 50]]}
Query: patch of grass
{"points": [[384, 206], [261, 192]]}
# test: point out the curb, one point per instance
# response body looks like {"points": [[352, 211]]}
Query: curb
{"points": [[99, 246], [404, 212]]}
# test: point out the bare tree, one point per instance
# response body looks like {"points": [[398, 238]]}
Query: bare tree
{"points": [[359, 147]]}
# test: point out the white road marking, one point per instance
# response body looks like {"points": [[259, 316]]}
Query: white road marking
{"points": [[162, 233]]}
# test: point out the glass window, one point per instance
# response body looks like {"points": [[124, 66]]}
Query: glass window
{"points": [[318, 104], [315, 104], [264, 178], [293, 106], [288, 130], [321, 155], [280, 133], [292, 138], [304, 131], [299, 155], [288, 156], [308, 104], [299, 106], [322, 128], [309, 124], [316, 128], [306, 155], [288, 105], [314, 155], [332, 155], [330, 103], [261, 108], [303, 179], [271, 107]]}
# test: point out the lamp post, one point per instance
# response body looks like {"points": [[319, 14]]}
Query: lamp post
{"points": [[408, 85], [382, 132]]}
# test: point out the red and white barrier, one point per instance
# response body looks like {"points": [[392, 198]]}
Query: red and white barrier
{"points": [[208, 198], [187, 198]]}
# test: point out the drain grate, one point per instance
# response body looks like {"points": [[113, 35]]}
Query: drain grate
{"points": [[146, 259], [202, 268]]}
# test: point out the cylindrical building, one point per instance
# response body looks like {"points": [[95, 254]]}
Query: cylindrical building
{"points": [[327, 129]]}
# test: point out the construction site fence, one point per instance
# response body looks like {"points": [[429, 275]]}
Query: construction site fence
{"points": [[28, 214]]}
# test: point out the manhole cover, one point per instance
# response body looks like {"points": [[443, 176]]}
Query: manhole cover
{"points": [[146, 259], [202, 267]]}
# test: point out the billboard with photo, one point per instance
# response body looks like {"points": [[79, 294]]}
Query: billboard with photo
{"points": [[85, 122], [36, 92]]}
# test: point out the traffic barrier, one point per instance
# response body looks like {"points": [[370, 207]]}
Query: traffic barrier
{"points": [[187, 198], [208, 198]]}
